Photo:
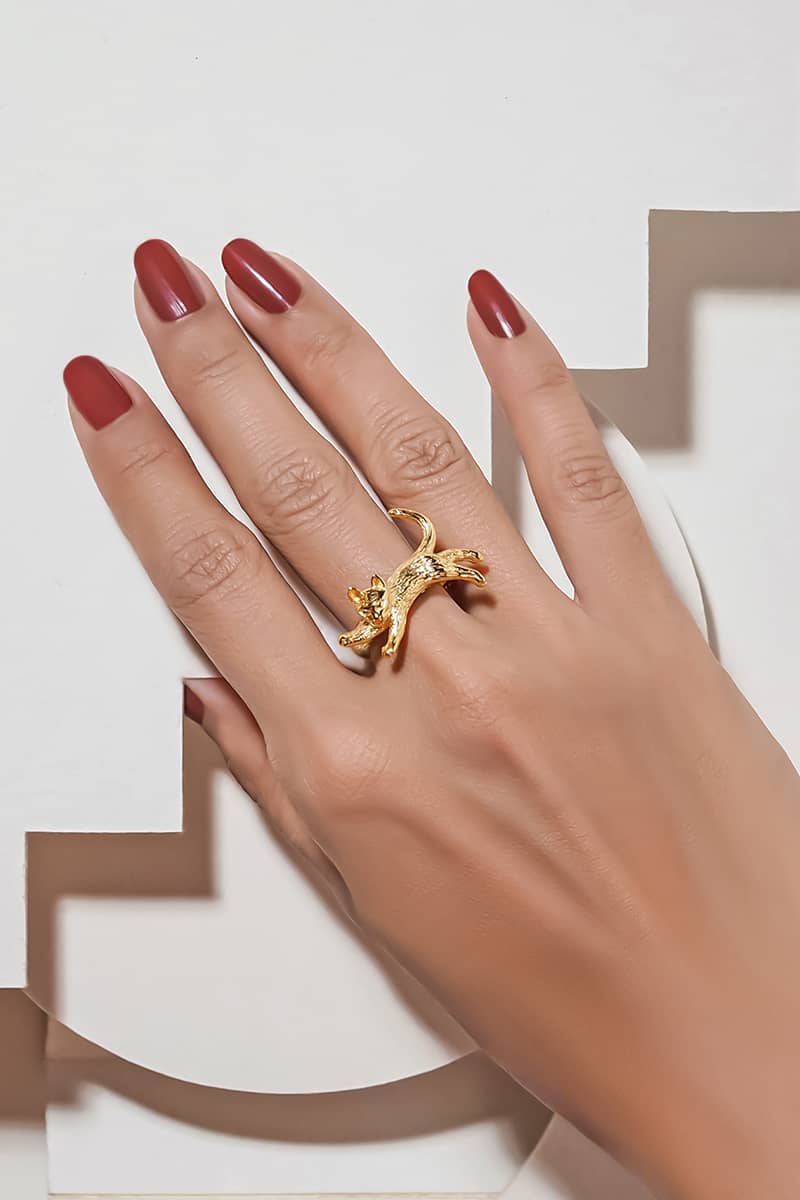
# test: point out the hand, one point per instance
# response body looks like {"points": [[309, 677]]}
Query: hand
{"points": [[559, 814]]}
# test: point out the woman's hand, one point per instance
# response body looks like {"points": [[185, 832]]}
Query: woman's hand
{"points": [[559, 814]]}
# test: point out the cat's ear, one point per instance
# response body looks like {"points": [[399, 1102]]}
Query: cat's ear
{"points": [[355, 595], [378, 583]]}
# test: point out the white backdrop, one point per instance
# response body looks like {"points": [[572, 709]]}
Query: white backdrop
{"points": [[391, 150]]}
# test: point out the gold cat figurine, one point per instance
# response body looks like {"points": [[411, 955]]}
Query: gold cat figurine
{"points": [[385, 605]]}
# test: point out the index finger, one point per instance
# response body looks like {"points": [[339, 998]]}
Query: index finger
{"points": [[211, 570]]}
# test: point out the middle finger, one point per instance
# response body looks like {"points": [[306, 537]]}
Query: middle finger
{"points": [[411, 455]]}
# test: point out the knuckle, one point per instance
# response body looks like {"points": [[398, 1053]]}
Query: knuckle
{"points": [[419, 451], [478, 697], [144, 456], [212, 367], [326, 350], [299, 489], [590, 479], [209, 566], [550, 377], [346, 767], [611, 674], [491, 700]]}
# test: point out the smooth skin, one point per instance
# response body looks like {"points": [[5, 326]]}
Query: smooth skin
{"points": [[559, 814]]}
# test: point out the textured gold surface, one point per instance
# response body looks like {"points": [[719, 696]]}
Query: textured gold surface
{"points": [[386, 605]]}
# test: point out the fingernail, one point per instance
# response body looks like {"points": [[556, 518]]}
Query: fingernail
{"points": [[97, 394], [495, 307], [260, 276], [192, 705], [168, 286]]}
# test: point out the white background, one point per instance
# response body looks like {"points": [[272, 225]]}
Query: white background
{"points": [[391, 150]]}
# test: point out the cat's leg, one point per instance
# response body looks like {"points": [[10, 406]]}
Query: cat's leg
{"points": [[450, 557], [470, 574], [359, 639], [397, 627], [452, 561]]}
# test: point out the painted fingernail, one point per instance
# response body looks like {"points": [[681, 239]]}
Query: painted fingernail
{"points": [[97, 394], [192, 705], [495, 307], [170, 290], [260, 276]]}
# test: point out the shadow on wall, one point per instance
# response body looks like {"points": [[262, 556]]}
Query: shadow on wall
{"points": [[690, 252], [469, 1090], [22, 1073], [105, 865]]}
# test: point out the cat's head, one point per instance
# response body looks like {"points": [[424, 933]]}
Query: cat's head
{"points": [[370, 603]]}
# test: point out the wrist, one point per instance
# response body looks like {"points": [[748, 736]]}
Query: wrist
{"points": [[721, 1126], [712, 1160]]}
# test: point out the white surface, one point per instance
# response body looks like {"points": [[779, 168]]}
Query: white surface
{"points": [[391, 156], [466, 1127]]}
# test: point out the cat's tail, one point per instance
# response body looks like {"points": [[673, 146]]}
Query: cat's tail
{"points": [[428, 543]]}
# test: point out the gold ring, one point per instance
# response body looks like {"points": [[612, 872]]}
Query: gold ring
{"points": [[386, 605]]}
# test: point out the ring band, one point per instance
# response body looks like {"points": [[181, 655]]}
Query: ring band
{"points": [[386, 604]]}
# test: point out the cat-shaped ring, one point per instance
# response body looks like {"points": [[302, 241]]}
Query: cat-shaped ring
{"points": [[386, 604]]}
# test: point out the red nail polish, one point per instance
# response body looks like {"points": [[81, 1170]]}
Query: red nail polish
{"points": [[168, 286], [495, 307], [97, 394], [192, 705], [260, 276]]}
